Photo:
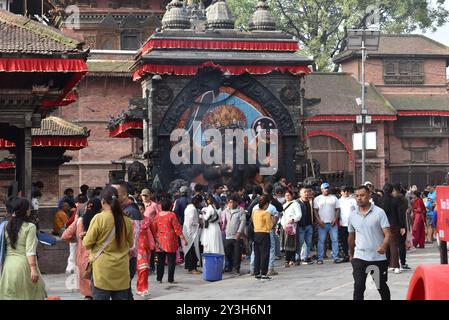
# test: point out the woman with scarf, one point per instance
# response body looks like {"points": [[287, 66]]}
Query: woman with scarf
{"points": [[145, 249], [76, 232], [211, 236], [20, 277], [192, 232], [290, 217], [419, 221]]}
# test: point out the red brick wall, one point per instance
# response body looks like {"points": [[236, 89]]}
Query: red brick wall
{"points": [[434, 70], [99, 99]]}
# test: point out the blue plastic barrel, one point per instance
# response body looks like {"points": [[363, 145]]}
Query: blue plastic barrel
{"points": [[213, 266]]}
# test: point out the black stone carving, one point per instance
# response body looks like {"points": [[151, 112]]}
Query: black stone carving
{"points": [[290, 95], [163, 95]]}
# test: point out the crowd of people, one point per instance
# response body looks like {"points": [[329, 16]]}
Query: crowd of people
{"points": [[117, 233]]}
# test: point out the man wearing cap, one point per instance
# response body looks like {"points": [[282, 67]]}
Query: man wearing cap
{"points": [[151, 207], [327, 213]]}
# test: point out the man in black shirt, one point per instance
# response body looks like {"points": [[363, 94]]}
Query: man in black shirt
{"points": [[304, 228], [392, 207]]}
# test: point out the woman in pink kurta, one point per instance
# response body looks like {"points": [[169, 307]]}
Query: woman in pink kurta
{"points": [[75, 232]]}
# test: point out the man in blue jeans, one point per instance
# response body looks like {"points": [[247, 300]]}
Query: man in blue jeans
{"points": [[327, 213], [304, 228]]}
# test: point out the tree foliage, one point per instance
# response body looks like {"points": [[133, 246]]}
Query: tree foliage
{"points": [[321, 25]]}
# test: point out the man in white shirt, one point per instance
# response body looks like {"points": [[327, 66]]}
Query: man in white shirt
{"points": [[327, 213], [347, 204]]}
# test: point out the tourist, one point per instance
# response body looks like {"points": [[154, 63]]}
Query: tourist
{"points": [[67, 197], [181, 203], [275, 240], [327, 213], [216, 193], [61, 218], [279, 194], [369, 234], [392, 208], [419, 221], [191, 230], [399, 194], [35, 199], [272, 210], [234, 225], [375, 198], [347, 204], [304, 230], [292, 214], [263, 222], [146, 248], [167, 231], [211, 235], [20, 276], [83, 195], [76, 232], [131, 210], [151, 210], [109, 238], [430, 214]]}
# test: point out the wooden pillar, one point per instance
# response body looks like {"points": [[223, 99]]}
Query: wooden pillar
{"points": [[24, 161]]}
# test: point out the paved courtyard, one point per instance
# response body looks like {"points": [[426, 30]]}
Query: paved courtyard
{"points": [[314, 282]]}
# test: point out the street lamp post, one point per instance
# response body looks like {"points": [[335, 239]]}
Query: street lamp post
{"points": [[364, 40]]}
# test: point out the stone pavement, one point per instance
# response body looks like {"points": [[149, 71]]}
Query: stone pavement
{"points": [[314, 282]]}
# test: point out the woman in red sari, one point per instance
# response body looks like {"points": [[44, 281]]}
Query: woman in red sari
{"points": [[419, 221], [166, 230]]}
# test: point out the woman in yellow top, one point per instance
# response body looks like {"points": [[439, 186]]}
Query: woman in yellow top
{"points": [[111, 231], [263, 222]]}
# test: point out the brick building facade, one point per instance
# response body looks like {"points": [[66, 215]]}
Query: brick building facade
{"points": [[408, 72]]}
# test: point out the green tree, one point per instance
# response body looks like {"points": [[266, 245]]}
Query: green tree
{"points": [[321, 25]]}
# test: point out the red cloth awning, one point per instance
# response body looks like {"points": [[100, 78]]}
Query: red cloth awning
{"points": [[424, 113], [183, 70], [209, 44], [124, 130], [76, 66], [7, 165], [69, 143], [348, 118], [42, 65]]}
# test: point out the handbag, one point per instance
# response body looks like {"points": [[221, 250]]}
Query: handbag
{"points": [[213, 218], [87, 274]]}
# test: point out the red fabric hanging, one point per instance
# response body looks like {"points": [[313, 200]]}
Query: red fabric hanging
{"points": [[348, 118], [424, 113], [70, 143], [7, 165], [122, 131], [77, 66], [42, 65], [67, 96], [234, 70], [207, 44]]}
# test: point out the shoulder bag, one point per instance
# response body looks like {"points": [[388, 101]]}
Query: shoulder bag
{"points": [[87, 274]]}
